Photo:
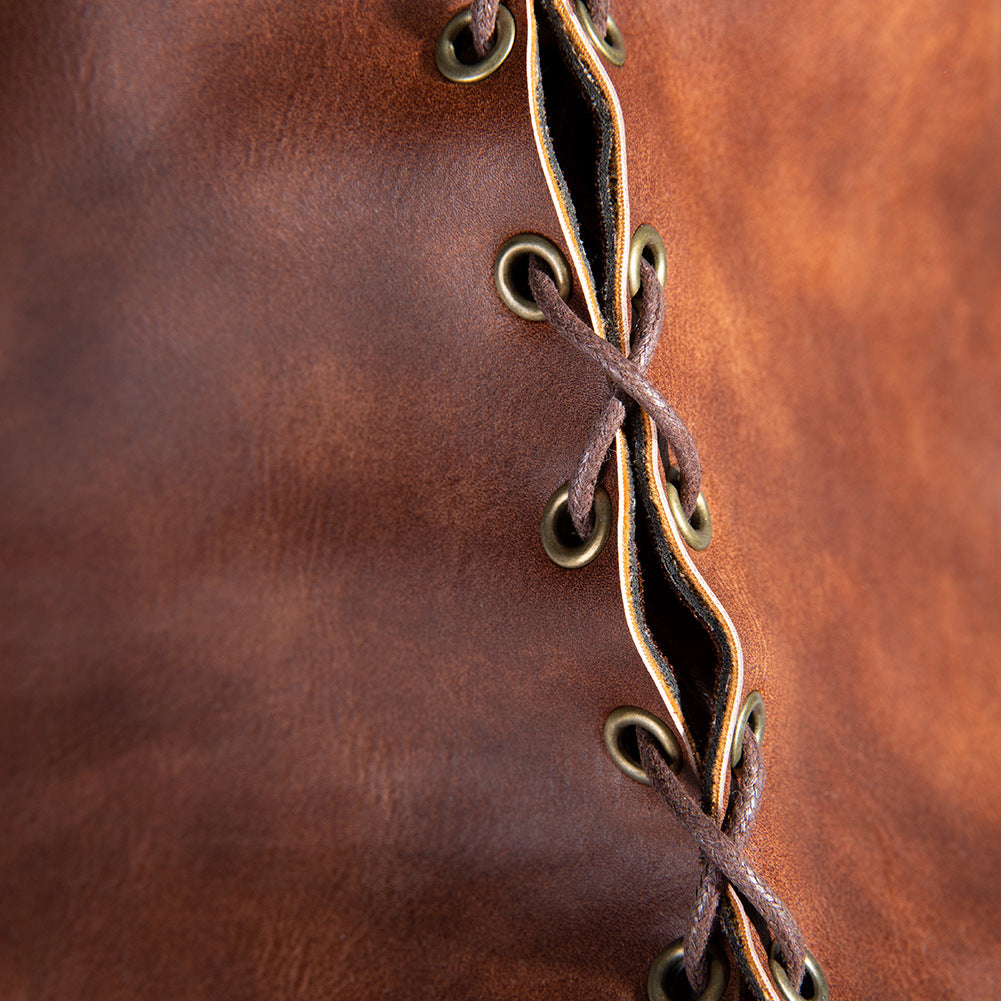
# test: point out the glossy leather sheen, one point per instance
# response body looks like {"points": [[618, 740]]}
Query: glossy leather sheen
{"points": [[292, 703]]}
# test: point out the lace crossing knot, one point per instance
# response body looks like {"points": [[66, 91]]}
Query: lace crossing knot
{"points": [[630, 385], [723, 860]]}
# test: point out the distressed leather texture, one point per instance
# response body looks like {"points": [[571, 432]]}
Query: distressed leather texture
{"points": [[292, 703]]}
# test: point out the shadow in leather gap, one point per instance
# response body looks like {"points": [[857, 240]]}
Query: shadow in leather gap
{"points": [[679, 634], [630, 746], [465, 52], [519, 279], [677, 988], [564, 529], [573, 132]]}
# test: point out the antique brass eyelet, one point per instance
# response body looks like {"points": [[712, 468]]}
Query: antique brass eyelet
{"points": [[556, 527], [752, 713], [446, 55], [698, 532], [613, 45], [813, 972], [619, 735], [514, 254], [646, 238], [670, 965]]}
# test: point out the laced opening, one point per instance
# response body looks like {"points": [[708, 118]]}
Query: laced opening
{"points": [[723, 860], [627, 374]]}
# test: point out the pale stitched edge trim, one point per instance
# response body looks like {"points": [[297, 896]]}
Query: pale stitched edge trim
{"points": [[721, 776], [594, 311], [632, 620], [623, 234], [596, 69], [678, 546], [751, 947]]}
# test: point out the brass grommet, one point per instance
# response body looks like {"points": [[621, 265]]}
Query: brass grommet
{"points": [[699, 531], [447, 58], [670, 964], [508, 256], [813, 972], [556, 526], [646, 238], [618, 729], [613, 45], [752, 713]]}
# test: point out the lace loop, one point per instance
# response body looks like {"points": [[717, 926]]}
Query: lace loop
{"points": [[484, 22], [627, 374]]}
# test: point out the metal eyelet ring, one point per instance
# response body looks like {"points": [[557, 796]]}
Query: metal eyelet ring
{"points": [[508, 257], [646, 238], [556, 525], [699, 531], [752, 713], [447, 59], [613, 45], [813, 972], [619, 731], [670, 964]]}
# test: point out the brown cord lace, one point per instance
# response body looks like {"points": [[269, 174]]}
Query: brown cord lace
{"points": [[722, 849], [484, 22], [723, 858], [628, 375]]}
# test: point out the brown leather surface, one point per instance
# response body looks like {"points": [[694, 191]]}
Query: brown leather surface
{"points": [[827, 179], [292, 704]]}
